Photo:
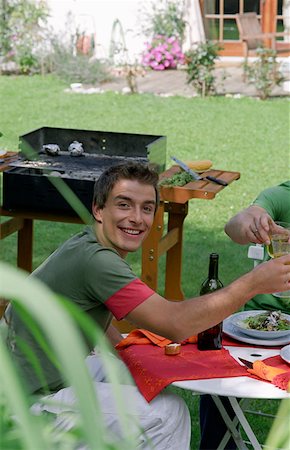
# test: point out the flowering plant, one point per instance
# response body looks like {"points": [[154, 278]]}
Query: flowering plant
{"points": [[163, 53]]}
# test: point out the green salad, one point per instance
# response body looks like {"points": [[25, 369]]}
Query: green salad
{"points": [[268, 321], [178, 179]]}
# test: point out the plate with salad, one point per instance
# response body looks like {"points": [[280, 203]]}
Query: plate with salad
{"points": [[262, 324]]}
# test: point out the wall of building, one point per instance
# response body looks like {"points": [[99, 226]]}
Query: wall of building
{"points": [[97, 17]]}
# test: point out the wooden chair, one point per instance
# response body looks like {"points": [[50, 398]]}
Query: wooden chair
{"points": [[253, 38]]}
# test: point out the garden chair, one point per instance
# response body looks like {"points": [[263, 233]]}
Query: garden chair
{"points": [[256, 252], [252, 37]]}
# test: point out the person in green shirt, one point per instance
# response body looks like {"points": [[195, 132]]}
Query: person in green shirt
{"points": [[254, 225], [251, 225]]}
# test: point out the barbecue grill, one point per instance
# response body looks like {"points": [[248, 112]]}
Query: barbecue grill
{"points": [[78, 157]]}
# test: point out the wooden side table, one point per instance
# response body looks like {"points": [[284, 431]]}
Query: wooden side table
{"points": [[174, 202]]}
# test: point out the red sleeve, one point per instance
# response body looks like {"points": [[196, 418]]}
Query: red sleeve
{"points": [[128, 297]]}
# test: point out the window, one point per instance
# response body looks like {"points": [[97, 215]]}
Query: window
{"points": [[219, 17]]}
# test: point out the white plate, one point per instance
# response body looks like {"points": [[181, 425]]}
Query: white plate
{"points": [[285, 353], [231, 330], [238, 321]]}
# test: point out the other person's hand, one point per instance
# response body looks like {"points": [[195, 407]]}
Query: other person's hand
{"points": [[252, 225]]}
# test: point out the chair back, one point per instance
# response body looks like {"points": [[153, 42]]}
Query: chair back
{"points": [[249, 25], [256, 252]]}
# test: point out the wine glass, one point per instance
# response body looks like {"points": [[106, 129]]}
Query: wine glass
{"points": [[279, 246]]}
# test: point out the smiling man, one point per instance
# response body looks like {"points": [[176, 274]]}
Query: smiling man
{"points": [[91, 271], [125, 220]]}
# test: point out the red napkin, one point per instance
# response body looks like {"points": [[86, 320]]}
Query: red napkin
{"points": [[152, 370], [142, 336], [276, 372]]}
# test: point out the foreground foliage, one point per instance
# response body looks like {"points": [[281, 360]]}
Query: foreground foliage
{"points": [[19, 428]]}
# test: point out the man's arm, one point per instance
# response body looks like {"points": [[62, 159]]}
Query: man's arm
{"points": [[179, 320], [253, 224]]}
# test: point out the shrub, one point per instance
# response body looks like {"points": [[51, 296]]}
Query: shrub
{"points": [[264, 72], [163, 53], [200, 63], [165, 18], [23, 33], [75, 67]]}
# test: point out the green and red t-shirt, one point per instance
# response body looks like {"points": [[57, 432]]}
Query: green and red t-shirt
{"points": [[91, 276]]}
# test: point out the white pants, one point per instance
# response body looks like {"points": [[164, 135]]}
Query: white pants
{"points": [[162, 424]]}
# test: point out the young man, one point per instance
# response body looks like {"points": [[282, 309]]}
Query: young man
{"points": [[90, 270], [251, 225]]}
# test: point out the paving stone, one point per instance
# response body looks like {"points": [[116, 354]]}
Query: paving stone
{"points": [[173, 82]]}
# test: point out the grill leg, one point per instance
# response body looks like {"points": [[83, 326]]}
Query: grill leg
{"points": [[25, 245]]}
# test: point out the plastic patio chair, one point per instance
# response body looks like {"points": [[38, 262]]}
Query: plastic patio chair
{"points": [[256, 252]]}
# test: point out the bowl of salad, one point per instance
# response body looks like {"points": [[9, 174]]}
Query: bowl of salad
{"points": [[263, 324]]}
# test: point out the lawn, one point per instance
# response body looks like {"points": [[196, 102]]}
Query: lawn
{"points": [[244, 135]]}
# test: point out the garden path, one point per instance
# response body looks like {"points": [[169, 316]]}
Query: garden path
{"points": [[173, 82]]}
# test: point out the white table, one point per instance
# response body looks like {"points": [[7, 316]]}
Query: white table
{"points": [[237, 388]]}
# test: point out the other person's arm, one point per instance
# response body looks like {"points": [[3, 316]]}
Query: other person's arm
{"points": [[253, 224]]}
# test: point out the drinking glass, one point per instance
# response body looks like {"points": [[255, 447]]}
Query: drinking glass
{"points": [[279, 246]]}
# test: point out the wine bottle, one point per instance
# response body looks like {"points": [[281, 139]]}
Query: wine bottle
{"points": [[211, 339]]}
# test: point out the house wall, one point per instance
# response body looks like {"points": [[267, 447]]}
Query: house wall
{"points": [[97, 17]]}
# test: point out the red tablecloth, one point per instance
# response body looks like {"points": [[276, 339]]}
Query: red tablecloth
{"points": [[152, 370]]}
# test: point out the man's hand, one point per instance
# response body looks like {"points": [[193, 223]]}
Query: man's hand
{"points": [[272, 276], [252, 225]]}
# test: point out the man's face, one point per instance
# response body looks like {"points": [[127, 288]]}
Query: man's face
{"points": [[127, 217]]}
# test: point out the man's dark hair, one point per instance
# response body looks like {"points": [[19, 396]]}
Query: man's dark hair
{"points": [[125, 171]]}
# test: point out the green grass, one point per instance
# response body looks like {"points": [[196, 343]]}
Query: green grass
{"points": [[244, 135]]}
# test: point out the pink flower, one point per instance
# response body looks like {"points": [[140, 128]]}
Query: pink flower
{"points": [[160, 67], [163, 53], [158, 56]]}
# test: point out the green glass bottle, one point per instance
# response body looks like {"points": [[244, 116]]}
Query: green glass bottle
{"points": [[211, 339]]}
